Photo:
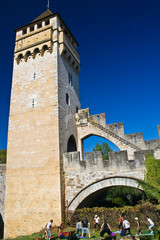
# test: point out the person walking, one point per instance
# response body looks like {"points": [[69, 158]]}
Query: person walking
{"points": [[151, 224], [138, 226], [48, 229], [126, 226]]}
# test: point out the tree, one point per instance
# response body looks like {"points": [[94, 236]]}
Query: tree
{"points": [[152, 175], [3, 155], [152, 179], [104, 148]]}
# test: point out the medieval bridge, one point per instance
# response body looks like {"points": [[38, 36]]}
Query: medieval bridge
{"points": [[88, 176]]}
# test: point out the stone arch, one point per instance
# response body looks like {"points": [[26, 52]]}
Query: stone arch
{"points": [[45, 49], [101, 184], [36, 52], [119, 141], [28, 55], [19, 58], [1, 227], [71, 145]]}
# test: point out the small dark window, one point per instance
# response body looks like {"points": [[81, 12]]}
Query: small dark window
{"points": [[148, 145], [115, 126], [24, 31], [31, 28], [39, 25], [135, 139], [34, 76], [70, 79], [47, 22], [33, 103], [67, 98], [76, 109]]}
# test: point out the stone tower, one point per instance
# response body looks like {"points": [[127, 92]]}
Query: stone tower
{"points": [[44, 100]]}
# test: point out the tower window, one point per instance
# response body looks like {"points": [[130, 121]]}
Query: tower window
{"points": [[24, 31], [67, 99], [31, 28], [47, 22], [34, 76], [76, 109], [33, 103], [70, 79], [135, 139], [39, 25]]}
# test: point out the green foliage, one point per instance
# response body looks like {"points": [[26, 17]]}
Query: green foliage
{"points": [[152, 175], [146, 237], [151, 192], [118, 197], [152, 179], [104, 148], [119, 202], [3, 155]]}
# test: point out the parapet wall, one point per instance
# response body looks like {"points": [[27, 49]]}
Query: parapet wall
{"points": [[81, 173], [2, 188], [135, 139]]}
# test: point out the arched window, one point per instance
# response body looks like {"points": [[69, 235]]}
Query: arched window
{"points": [[71, 146], [1, 227]]}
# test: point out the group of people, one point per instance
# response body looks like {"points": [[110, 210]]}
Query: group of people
{"points": [[83, 227], [124, 226]]}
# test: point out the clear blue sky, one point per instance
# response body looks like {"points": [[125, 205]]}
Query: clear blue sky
{"points": [[119, 45]]}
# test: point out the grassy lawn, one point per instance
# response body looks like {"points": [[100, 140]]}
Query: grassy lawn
{"points": [[95, 234]]}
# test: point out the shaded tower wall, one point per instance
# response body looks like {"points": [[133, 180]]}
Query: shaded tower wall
{"points": [[39, 117]]}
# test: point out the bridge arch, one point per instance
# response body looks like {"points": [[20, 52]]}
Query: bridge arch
{"points": [[95, 129], [101, 184]]}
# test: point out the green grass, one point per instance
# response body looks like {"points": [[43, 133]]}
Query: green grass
{"points": [[95, 234]]}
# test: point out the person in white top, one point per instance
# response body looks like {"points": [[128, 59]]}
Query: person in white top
{"points": [[126, 226], [96, 222], [151, 224], [48, 229]]}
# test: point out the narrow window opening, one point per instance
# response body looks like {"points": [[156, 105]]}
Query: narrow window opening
{"points": [[24, 31], [70, 79], [39, 25], [115, 126], [47, 22], [76, 109], [31, 28], [33, 103], [135, 139], [148, 145], [34, 76], [117, 156], [67, 99]]}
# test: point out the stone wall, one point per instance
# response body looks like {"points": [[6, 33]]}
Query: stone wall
{"points": [[2, 188], [80, 174]]}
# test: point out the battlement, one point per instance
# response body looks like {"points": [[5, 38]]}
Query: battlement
{"points": [[93, 160], [116, 130]]}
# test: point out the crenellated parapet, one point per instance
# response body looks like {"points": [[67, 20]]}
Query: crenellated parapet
{"points": [[96, 125], [118, 161], [84, 177], [39, 37]]}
